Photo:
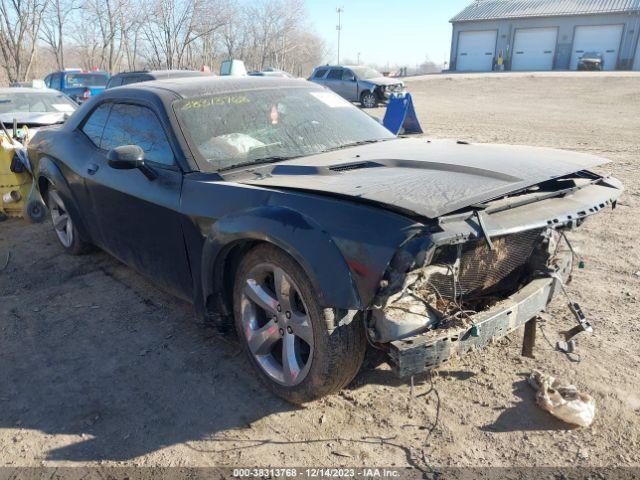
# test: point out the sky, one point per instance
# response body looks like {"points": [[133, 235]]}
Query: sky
{"points": [[401, 33]]}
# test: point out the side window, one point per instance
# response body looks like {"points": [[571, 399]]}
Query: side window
{"points": [[114, 82], [132, 79], [55, 81], [135, 125], [320, 73], [47, 80], [348, 76], [335, 74], [94, 125]]}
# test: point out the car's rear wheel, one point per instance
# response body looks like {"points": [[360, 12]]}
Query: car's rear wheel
{"points": [[63, 225], [368, 100], [283, 332]]}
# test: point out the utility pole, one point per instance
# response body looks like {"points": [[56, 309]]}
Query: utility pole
{"points": [[358, 58], [339, 11]]}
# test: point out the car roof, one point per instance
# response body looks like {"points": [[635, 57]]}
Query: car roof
{"points": [[28, 90], [338, 66], [161, 73], [80, 72], [190, 87]]}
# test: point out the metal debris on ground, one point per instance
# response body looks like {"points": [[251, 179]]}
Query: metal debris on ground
{"points": [[563, 400]]}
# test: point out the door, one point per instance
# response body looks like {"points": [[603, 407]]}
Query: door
{"points": [[349, 87], [476, 51], [604, 39], [534, 49], [138, 218], [333, 80]]}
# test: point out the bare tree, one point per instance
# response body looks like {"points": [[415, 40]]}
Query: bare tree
{"points": [[174, 29], [20, 22], [173, 34], [56, 15]]}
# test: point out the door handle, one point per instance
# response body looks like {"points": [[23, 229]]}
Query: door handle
{"points": [[92, 168]]}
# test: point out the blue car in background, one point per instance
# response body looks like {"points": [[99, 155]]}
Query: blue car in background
{"points": [[78, 84]]}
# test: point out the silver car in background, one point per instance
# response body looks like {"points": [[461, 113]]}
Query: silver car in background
{"points": [[34, 107], [357, 83]]}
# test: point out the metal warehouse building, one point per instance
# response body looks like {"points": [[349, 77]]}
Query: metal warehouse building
{"points": [[545, 34]]}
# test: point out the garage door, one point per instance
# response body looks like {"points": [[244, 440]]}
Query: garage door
{"points": [[603, 39], [534, 48], [476, 51]]}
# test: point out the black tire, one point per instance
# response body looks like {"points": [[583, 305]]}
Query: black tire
{"points": [[36, 211], [335, 357], [368, 99], [74, 244]]}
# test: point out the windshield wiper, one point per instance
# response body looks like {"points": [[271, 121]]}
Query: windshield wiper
{"points": [[258, 162], [355, 144]]}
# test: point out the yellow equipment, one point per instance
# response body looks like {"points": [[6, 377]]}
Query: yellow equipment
{"points": [[14, 187]]}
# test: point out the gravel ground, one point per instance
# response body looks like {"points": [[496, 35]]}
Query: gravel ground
{"points": [[99, 367]]}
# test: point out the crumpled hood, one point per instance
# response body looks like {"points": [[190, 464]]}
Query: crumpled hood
{"points": [[384, 81], [39, 118], [427, 178]]}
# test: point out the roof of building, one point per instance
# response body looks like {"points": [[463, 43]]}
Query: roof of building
{"points": [[497, 9]]}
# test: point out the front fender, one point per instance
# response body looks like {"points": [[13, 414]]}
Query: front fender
{"points": [[296, 234]]}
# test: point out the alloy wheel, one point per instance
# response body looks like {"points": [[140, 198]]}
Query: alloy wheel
{"points": [[369, 100], [276, 324], [61, 219]]}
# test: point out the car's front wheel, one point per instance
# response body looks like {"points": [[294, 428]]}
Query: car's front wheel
{"points": [[282, 329], [368, 100], [66, 231]]}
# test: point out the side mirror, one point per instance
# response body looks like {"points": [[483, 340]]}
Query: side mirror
{"points": [[129, 157], [126, 157]]}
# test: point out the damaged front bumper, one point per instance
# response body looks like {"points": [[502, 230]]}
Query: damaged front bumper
{"points": [[431, 349], [431, 305]]}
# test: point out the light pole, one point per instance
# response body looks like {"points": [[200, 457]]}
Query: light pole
{"points": [[358, 58], [339, 11]]}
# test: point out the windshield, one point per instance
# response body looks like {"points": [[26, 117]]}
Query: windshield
{"points": [[80, 80], [262, 125], [366, 72], [35, 102]]}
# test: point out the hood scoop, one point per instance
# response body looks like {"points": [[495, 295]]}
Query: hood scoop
{"points": [[288, 169], [353, 166]]}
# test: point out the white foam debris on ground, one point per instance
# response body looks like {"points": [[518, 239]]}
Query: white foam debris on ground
{"points": [[563, 400]]}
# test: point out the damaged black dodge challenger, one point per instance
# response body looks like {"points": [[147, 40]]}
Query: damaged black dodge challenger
{"points": [[277, 207]]}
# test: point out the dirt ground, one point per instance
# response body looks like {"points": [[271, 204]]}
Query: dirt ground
{"points": [[97, 366]]}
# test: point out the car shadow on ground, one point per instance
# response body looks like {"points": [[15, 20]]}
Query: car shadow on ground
{"points": [[92, 351], [525, 415], [96, 353]]}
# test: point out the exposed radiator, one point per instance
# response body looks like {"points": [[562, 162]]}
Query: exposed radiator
{"points": [[481, 270]]}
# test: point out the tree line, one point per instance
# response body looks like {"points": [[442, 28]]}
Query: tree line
{"points": [[37, 36]]}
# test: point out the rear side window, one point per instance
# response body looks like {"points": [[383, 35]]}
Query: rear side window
{"points": [[136, 125], [135, 79], [55, 81], [320, 73], [94, 125], [335, 74]]}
